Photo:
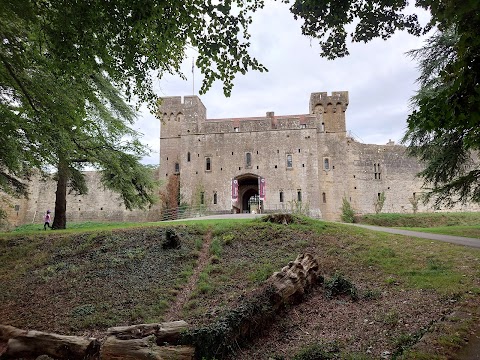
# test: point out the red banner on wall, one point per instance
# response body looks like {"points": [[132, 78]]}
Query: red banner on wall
{"points": [[261, 188], [234, 189]]}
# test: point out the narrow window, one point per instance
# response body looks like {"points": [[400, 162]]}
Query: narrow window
{"points": [[248, 160], [289, 161], [414, 195], [379, 195], [324, 197], [215, 198], [177, 168], [323, 127], [326, 164], [298, 150], [208, 164], [281, 196], [188, 156], [236, 129], [303, 126], [299, 195], [202, 198]]}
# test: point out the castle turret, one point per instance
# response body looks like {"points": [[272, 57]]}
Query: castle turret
{"points": [[330, 110], [181, 118]]}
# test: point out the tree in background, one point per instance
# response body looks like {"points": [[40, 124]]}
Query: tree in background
{"points": [[379, 202], [444, 126], [348, 214], [170, 197]]}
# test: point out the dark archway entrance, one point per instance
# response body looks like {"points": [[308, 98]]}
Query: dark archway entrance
{"points": [[248, 199]]}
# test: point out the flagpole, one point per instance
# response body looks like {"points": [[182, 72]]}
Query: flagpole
{"points": [[193, 73]]}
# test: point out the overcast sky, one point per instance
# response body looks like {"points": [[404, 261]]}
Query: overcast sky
{"points": [[379, 77]]}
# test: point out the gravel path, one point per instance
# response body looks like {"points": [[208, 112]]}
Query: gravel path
{"points": [[459, 240]]}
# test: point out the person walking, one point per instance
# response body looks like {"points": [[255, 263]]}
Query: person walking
{"points": [[47, 220]]}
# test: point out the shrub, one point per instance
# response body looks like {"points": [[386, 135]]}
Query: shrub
{"points": [[339, 285], [348, 214]]}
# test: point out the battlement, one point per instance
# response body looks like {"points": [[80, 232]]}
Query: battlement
{"points": [[322, 102]]}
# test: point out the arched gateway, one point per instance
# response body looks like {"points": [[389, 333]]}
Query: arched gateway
{"points": [[248, 193]]}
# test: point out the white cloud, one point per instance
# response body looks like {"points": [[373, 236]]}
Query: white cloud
{"points": [[379, 76]]}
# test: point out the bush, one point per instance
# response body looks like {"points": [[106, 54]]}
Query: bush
{"points": [[348, 214], [339, 285]]}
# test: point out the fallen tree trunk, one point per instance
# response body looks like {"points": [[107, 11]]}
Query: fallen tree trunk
{"points": [[168, 332], [28, 344], [131, 344], [256, 311], [143, 349]]}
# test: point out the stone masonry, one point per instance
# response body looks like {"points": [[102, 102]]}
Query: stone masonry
{"points": [[306, 161]]}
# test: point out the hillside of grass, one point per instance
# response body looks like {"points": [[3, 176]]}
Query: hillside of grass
{"points": [[83, 281], [421, 220]]}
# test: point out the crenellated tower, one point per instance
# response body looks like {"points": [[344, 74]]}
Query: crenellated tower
{"points": [[330, 110], [181, 117]]}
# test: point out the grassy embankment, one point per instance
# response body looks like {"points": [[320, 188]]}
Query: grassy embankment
{"points": [[81, 281], [459, 224]]}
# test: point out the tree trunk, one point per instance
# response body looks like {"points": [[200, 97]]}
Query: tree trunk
{"points": [[17, 343], [144, 348], [168, 332], [60, 217]]}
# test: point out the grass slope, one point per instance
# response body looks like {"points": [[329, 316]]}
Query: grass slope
{"points": [[84, 281], [422, 220]]}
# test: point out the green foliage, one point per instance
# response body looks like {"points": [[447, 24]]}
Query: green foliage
{"points": [[379, 202], [348, 214], [234, 327], [318, 351], [339, 285], [216, 247], [443, 127]]}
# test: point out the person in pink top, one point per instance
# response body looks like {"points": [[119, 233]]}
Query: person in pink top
{"points": [[47, 220]]}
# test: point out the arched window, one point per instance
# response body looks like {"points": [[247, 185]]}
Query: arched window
{"points": [[324, 197], [326, 164], [188, 156], [248, 159], [299, 195], [208, 164]]}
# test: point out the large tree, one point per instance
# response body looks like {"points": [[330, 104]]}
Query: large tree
{"points": [[56, 58], [444, 126]]}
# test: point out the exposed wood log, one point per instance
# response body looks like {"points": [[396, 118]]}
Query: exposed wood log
{"points": [[28, 344], [167, 332], [16, 343], [144, 348], [295, 278]]}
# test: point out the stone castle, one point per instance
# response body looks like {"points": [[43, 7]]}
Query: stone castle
{"points": [[284, 162], [304, 162]]}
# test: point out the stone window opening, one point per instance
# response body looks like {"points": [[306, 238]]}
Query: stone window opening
{"points": [[299, 195], [167, 158], [275, 166], [188, 156], [324, 198], [236, 129], [177, 168], [322, 128], [298, 150], [208, 164], [326, 163], [303, 126], [414, 196], [376, 170], [248, 160], [289, 161], [202, 198], [257, 152], [215, 198], [281, 196]]}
